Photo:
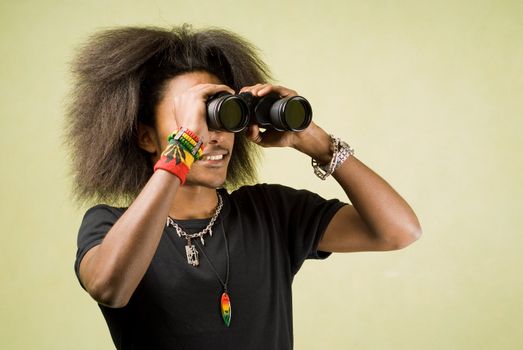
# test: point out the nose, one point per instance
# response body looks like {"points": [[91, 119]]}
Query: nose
{"points": [[216, 136]]}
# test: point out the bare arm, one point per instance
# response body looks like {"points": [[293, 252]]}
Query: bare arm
{"points": [[112, 270], [379, 219]]}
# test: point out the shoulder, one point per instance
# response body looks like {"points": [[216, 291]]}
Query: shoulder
{"points": [[105, 208], [96, 223], [262, 191], [274, 193], [102, 212], [265, 188]]}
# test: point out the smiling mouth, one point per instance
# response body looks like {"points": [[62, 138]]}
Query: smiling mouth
{"points": [[212, 157]]}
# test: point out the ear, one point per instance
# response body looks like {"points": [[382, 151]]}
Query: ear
{"points": [[147, 139]]}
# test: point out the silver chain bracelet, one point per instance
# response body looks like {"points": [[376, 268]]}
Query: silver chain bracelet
{"points": [[341, 152]]}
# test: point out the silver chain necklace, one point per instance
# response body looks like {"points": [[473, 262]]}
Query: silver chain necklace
{"points": [[190, 249]]}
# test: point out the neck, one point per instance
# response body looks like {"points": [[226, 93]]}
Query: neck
{"points": [[194, 202]]}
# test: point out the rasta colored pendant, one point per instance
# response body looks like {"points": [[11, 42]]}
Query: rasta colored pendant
{"points": [[226, 308], [225, 300]]}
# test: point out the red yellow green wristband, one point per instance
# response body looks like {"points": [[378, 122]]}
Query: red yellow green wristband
{"points": [[176, 160], [184, 148], [189, 141]]}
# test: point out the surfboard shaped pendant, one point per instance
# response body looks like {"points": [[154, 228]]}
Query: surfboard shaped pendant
{"points": [[226, 309]]}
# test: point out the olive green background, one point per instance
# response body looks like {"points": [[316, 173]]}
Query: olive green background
{"points": [[430, 94]]}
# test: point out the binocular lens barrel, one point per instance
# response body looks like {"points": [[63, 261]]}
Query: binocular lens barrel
{"points": [[234, 112], [291, 113], [227, 112]]}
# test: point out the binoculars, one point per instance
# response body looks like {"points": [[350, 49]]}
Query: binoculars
{"points": [[233, 113]]}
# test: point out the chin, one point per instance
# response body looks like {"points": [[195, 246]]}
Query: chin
{"points": [[206, 182]]}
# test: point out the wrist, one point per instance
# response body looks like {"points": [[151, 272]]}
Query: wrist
{"points": [[341, 152], [315, 143], [184, 147]]}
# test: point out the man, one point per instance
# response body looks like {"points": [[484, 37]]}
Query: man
{"points": [[138, 133]]}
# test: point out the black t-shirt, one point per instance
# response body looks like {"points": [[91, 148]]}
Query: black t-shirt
{"points": [[271, 230]]}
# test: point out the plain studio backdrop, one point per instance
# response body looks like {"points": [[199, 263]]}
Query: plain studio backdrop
{"points": [[429, 93]]}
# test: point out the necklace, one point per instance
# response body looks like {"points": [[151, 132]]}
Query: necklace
{"points": [[192, 257], [225, 300], [190, 249]]}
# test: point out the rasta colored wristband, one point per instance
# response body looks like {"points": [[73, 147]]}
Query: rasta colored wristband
{"points": [[184, 148], [188, 140], [176, 160]]}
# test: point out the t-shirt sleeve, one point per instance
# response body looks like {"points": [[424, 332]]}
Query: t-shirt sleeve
{"points": [[305, 216], [96, 223]]}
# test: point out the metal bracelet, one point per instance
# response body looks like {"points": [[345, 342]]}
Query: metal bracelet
{"points": [[341, 152]]}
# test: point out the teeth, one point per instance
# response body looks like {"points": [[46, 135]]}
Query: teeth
{"points": [[216, 157]]}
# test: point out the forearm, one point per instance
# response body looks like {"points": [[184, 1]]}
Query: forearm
{"points": [[112, 271], [384, 217]]}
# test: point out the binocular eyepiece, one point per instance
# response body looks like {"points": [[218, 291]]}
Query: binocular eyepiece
{"points": [[234, 112]]}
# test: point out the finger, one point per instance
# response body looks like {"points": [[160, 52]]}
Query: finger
{"points": [[281, 90], [254, 134], [259, 87], [250, 88], [207, 90]]}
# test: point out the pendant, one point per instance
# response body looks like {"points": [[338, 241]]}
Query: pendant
{"points": [[226, 308], [192, 254]]}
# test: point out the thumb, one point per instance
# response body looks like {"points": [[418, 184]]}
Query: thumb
{"points": [[254, 134]]}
